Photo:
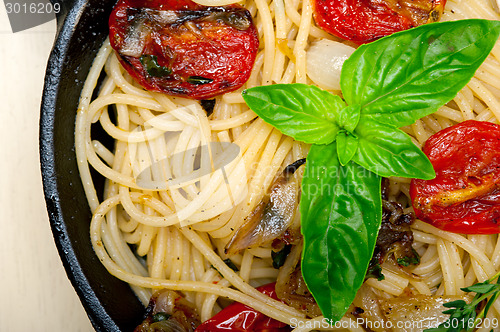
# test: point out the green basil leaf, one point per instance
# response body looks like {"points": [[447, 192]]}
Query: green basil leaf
{"points": [[341, 212], [388, 151], [347, 145], [348, 117], [304, 112], [403, 77]]}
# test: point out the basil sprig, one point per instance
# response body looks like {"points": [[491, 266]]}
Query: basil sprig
{"points": [[385, 84]]}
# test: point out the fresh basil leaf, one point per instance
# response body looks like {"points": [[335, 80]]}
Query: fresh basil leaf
{"points": [[348, 117], [341, 212], [304, 112], [405, 76], [347, 145], [388, 151]]}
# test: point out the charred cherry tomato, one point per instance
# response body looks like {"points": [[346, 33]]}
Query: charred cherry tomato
{"points": [[363, 21], [184, 49], [465, 195], [238, 317]]}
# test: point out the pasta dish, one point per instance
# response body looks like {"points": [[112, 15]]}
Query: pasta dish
{"points": [[200, 209]]}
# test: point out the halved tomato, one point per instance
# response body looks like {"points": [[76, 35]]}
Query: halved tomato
{"points": [[363, 21], [465, 195], [184, 49]]}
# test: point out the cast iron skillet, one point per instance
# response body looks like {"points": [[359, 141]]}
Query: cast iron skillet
{"points": [[82, 26]]}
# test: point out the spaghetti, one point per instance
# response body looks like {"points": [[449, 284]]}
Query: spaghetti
{"points": [[178, 232]]}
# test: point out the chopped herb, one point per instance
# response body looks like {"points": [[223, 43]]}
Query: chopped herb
{"points": [[409, 260], [405, 261], [374, 271], [279, 257], [150, 63], [159, 316], [229, 263], [199, 80]]}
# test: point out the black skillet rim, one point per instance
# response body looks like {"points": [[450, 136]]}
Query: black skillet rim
{"points": [[109, 303]]}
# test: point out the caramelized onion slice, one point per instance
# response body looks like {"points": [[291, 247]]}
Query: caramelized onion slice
{"points": [[168, 311], [366, 307], [273, 215], [423, 311], [290, 285]]}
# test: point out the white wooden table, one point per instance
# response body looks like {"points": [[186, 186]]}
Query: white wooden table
{"points": [[35, 294]]}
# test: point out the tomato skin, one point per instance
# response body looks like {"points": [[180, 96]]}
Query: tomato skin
{"points": [[363, 21], [465, 195], [238, 317], [205, 51]]}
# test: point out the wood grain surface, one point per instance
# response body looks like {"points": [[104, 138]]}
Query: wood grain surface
{"points": [[35, 293]]}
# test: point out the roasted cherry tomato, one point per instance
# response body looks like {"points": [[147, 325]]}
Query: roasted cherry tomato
{"points": [[363, 21], [238, 317], [465, 195], [184, 49]]}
